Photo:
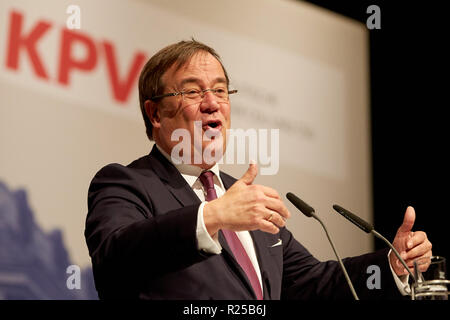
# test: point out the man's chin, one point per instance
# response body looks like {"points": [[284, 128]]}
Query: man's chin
{"points": [[213, 151]]}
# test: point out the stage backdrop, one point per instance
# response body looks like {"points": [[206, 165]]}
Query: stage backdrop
{"points": [[69, 106]]}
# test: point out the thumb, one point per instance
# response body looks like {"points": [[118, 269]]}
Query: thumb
{"points": [[250, 174], [408, 220]]}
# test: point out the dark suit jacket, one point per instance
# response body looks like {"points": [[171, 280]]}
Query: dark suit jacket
{"points": [[141, 235]]}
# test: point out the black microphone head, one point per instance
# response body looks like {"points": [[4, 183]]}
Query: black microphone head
{"points": [[300, 204], [360, 223]]}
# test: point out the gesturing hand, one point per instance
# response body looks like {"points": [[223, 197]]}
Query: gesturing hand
{"points": [[410, 245], [246, 206]]}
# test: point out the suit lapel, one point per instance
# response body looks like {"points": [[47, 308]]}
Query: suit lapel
{"points": [[173, 179]]}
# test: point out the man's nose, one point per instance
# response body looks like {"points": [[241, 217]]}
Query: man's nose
{"points": [[209, 103]]}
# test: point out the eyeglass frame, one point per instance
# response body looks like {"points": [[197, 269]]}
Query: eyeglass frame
{"points": [[202, 95]]}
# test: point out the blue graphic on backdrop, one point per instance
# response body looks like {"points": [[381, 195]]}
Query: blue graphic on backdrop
{"points": [[34, 264]]}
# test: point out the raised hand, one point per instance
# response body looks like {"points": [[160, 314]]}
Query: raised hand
{"points": [[409, 244], [246, 206]]}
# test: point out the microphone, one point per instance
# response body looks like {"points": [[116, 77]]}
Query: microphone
{"points": [[309, 212], [368, 228]]}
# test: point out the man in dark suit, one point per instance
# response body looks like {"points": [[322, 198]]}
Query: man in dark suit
{"points": [[171, 225]]}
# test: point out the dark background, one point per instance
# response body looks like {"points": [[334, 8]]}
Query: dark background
{"points": [[409, 80]]}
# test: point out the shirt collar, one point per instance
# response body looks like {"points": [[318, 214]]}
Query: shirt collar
{"points": [[191, 173]]}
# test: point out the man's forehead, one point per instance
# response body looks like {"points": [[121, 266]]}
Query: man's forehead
{"points": [[197, 64], [200, 58]]}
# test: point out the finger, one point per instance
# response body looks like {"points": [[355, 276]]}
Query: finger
{"points": [[399, 263], [424, 267], [250, 175], [422, 262], [415, 239], [422, 249], [275, 218], [269, 227], [408, 220], [277, 206], [400, 269]]}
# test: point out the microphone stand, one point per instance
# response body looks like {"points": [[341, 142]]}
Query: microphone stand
{"points": [[338, 259], [308, 211]]}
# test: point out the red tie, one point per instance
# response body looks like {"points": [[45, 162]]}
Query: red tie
{"points": [[233, 241]]}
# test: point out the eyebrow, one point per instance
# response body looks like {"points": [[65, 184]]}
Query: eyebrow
{"points": [[196, 80]]}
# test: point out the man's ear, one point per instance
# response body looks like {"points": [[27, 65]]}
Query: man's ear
{"points": [[151, 109]]}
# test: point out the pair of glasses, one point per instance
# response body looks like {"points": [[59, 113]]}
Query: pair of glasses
{"points": [[197, 95]]}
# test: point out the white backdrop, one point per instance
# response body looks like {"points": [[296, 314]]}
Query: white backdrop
{"points": [[298, 69]]}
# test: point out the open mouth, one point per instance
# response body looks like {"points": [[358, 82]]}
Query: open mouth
{"points": [[213, 124]]}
